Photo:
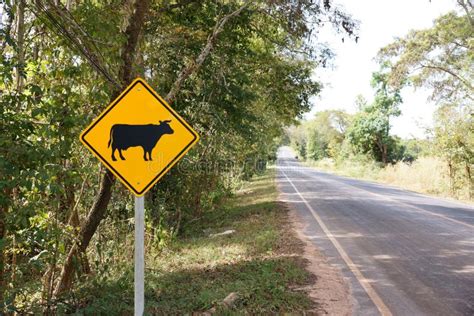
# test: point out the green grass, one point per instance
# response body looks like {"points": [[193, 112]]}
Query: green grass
{"points": [[260, 262]]}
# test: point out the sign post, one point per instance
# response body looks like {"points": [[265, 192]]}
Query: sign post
{"points": [[139, 275], [139, 138]]}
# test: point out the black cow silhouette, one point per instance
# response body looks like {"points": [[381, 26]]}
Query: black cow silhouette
{"points": [[124, 136]]}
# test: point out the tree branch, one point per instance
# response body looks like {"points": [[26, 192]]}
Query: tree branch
{"points": [[178, 4], [448, 71], [468, 7], [194, 66], [63, 24], [97, 212]]}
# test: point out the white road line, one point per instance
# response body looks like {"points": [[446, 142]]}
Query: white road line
{"points": [[350, 264], [419, 209]]}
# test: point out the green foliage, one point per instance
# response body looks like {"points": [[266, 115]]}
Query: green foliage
{"points": [[256, 80], [197, 271], [454, 140], [440, 57], [415, 148], [370, 130], [320, 137]]}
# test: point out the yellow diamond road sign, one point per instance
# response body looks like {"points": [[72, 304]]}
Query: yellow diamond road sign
{"points": [[139, 137]]}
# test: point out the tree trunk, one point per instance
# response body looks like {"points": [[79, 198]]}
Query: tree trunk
{"points": [[470, 180], [451, 177], [88, 229], [8, 198], [20, 42], [384, 154], [8, 192], [3, 213], [383, 149], [128, 57], [99, 208], [68, 4]]}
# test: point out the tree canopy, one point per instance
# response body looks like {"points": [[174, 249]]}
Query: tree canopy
{"points": [[370, 130], [440, 58], [238, 71]]}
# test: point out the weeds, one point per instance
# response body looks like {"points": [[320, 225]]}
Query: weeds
{"points": [[259, 261]]}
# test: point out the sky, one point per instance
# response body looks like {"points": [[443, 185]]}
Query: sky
{"points": [[381, 21]]}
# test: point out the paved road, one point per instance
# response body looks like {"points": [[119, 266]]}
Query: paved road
{"points": [[403, 253]]}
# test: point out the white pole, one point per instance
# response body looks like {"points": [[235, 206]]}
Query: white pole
{"points": [[139, 255]]}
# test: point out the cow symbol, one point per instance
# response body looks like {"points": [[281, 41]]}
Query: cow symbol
{"points": [[124, 136]]}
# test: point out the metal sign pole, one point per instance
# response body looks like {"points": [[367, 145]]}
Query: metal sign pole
{"points": [[130, 105], [139, 255]]}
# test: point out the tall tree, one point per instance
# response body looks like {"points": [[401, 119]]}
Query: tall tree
{"points": [[454, 140], [238, 70], [440, 58], [370, 130]]}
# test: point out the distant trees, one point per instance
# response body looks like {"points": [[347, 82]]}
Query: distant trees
{"points": [[326, 133], [369, 132], [440, 58], [454, 140], [321, 136], [336, 133]]}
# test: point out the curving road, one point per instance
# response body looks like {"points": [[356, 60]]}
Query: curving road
{"points": [[403, 253]]}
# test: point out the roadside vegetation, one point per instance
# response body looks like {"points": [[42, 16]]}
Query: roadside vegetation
{"points": [[244, 249], [237, 71], [361, 145]]}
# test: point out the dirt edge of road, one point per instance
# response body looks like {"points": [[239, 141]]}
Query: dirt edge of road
{"points": [[330, 291]]}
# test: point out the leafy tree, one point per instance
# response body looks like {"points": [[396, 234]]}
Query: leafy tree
{"points": [[298, 139], [454, 140], [370, 130], [237, 70], [321, 136], [326, 133], [440, 57]]}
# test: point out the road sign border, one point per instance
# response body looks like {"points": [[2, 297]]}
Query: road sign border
{"points": [[170, 164]]}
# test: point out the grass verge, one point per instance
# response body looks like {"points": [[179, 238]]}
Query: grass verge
{"points": [[260, 261]]}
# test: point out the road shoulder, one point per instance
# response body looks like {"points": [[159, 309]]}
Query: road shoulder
{"points": [[330, 291]]}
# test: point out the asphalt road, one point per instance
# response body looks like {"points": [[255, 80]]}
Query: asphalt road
{"points": [[403, 253]]}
